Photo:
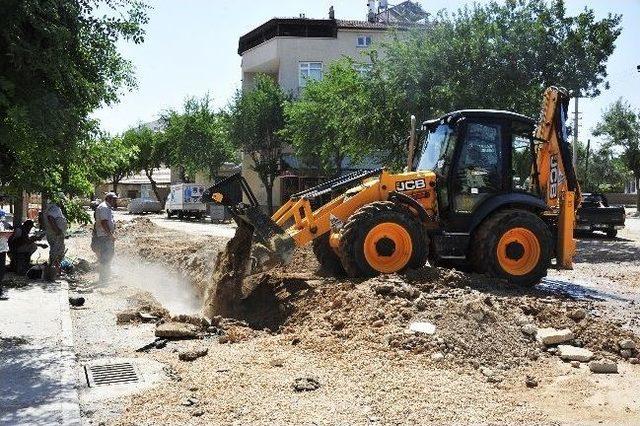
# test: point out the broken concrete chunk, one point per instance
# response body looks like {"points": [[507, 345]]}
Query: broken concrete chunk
{"points": [[634, 360], [575, 364], [306, 384], [422, 327], [626, 353], [437, 357], [146, 317], [577, 314], [627, 344], [192, 354], [551, 336], [529, 329], [572, 353], [603, 366], [176, 330]]}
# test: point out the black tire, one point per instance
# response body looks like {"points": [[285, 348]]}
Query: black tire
{"points": [[612, 233], [169, 214], [484, 248], [327, 258], [180, 215], [364, 220]]}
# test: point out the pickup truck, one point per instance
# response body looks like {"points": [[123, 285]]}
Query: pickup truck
{"points": [[595, 214]]}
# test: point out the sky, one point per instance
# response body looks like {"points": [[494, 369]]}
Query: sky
{"points": [[190, 49]]}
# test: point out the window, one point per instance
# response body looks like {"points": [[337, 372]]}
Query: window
{"points": [[521, 162], [478, 172], [309, 71], [364, 41]]}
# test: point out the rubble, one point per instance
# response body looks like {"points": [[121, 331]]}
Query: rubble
{"points": [[529, 329], [176, 330], [627, 344], [192, 354], [306, 384], [422, 327], [551, 336], [572, 353], [603, 366], [577, 314]]}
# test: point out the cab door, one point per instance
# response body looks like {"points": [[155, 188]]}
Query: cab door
{"points": [[479, 169]]}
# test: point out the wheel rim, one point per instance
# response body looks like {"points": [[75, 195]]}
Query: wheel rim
{"points": [[388, 247], [518, 251]]}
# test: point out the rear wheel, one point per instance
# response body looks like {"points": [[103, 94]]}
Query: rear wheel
{"points": [[169, 213], [327, 258], [382, 237], [514, 245], [612, 233]]}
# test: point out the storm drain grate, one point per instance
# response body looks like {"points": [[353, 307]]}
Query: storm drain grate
{"points": [[110, 374]]}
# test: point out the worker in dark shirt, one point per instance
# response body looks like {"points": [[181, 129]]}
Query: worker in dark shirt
{"points": [[21, 247]]}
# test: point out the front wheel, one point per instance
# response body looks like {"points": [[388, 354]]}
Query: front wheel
{"points": [[513, 244], [612, 233], [382, 237]]}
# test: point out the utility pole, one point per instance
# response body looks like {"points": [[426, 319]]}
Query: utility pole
{"points": [[586, 166], [575, 132]]}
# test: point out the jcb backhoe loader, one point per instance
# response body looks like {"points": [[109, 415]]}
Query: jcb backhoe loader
{"points": [[491, 188]]}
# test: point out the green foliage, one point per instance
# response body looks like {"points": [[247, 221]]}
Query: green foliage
{"points": [[115, 157], [256, 118], [196, 139], [602, 171], [498, 56], [334, 117], [60, 62], [620, 126], [151, 153]]}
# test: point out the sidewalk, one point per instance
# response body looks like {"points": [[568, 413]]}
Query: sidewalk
{"points": [[37, 358]]}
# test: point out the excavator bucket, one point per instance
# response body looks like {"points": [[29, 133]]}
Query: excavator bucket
{"points": [[259, 243]]}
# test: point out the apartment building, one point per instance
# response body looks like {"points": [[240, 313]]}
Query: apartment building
{"points": [[296, 50]]}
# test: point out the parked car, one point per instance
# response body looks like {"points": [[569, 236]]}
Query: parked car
{"points": [[144, 205], [595, 214]]}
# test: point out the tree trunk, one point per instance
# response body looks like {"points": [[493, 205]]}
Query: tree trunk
{"points": [[269, 186], [116, 180], [18, 210], [637, 194], [154, 185]]}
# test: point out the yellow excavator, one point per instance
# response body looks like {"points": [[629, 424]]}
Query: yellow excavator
{"points": [[493, 189]]}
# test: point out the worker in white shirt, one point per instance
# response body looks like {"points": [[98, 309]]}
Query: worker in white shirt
{"points": [[104, 236]]}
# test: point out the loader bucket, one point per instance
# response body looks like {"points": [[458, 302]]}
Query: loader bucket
{"points": [[259, 243]]}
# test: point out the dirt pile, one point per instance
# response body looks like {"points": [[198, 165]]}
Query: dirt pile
{"points": [[479, 322]]}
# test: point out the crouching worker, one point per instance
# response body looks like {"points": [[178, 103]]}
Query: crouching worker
{"points": [[21, 247], [55, 224], [103, 237]]}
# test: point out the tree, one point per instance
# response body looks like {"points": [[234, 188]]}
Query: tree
{"points": [[601, 169], [60, 62], [197, 139], [256, 118], [150, 155], [115, 158], [499, 56], [620, 126], [329, 121]]}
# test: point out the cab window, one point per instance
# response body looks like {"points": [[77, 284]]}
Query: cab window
{"points": [[478, 173]]}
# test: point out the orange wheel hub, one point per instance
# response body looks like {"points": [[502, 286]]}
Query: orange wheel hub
{"points": [[388, 247], [518, 251]]}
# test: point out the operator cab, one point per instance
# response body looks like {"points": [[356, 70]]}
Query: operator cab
{"points": [[478, 156]]}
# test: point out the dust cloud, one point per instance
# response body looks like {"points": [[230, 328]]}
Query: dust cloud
{"points": [[172, 290]]}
